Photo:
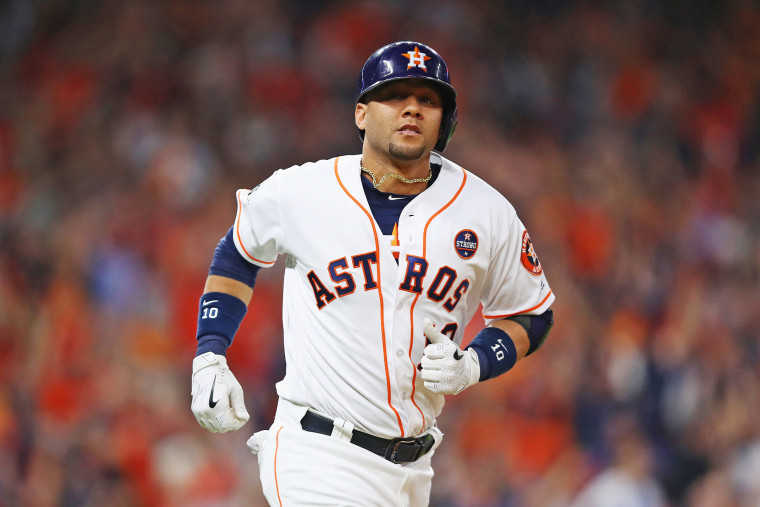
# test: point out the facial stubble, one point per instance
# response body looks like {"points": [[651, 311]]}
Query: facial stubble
{"points": [[405, 153]]}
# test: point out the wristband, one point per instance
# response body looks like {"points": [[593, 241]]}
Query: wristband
{"points": [[496, 351], [219, 317]]}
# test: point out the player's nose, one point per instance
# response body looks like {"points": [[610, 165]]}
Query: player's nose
{"points": [[412, 107]]}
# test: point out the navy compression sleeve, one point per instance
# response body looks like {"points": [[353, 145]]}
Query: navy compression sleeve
{"points": [[537, 327], [228, 262]]}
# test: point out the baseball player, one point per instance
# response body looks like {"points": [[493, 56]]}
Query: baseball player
{"points": [[388, 255]]}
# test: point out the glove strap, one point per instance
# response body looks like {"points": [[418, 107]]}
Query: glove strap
{"points": [[207, 359]]}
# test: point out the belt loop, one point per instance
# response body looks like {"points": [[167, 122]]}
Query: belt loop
{"points": [[342, 429]]}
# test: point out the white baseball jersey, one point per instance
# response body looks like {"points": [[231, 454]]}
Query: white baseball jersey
{"points": [[352, 316]]}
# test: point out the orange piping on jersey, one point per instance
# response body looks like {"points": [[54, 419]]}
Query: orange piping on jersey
{"points": [[237, 232], [394, 241], [411, 344], [380, 295], [411, 310], [276, 448], [518, 313]]}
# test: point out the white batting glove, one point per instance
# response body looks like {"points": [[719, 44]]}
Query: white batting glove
{"points": [[218, 403], [446, 369]]}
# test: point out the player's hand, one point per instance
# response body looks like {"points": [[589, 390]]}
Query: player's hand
{"points": [[217, 396], [446, 369]]}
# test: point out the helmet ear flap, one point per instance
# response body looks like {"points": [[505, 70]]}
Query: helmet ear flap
{"points": [[410, 60], [448, 125]]}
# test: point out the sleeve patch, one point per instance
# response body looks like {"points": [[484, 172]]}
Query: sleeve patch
{"points": [[528, 256]]}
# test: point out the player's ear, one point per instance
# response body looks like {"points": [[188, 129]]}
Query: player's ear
{"points": [[360, 115]]}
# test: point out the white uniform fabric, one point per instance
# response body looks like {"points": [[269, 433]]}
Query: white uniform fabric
{"points": [[302, 468], [352, 317]]}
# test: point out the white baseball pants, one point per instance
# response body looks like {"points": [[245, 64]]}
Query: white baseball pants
{"points": [[298, 468]]}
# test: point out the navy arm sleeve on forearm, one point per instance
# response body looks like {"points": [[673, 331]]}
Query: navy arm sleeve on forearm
{"points": [[229, 263]]}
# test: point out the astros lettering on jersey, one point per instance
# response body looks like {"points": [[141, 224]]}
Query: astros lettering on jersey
{"points": [[457, 247]]}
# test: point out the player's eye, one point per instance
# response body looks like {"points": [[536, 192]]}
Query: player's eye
{"points": [[429, 99]]}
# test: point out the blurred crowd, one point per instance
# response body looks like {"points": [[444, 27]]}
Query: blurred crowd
{"points": [[626, 134]]}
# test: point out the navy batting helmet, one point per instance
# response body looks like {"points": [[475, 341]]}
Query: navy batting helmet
{"points": [[411, 60]]}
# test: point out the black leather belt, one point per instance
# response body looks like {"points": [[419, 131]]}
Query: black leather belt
{"points": [[395, 450]]}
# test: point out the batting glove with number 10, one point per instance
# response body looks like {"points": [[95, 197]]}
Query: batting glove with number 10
{"points": [[446, 369], [217, 396]]}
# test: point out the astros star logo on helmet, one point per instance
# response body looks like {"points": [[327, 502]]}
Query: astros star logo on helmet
{"points": [[416, 59]]}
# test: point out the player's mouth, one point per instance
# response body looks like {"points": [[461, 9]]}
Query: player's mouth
{"points": [[409, 129]]}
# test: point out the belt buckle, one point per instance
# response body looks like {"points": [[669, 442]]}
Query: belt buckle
{"points": [[393, 447]]}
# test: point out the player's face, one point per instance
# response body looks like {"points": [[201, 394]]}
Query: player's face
{"points": [[402, 118]]}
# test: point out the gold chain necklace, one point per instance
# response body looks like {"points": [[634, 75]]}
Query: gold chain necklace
{"points": [[376, 184]]}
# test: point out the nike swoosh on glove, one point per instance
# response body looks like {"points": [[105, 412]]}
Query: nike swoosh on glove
{"points": [[218, 402], [446, 369]]}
